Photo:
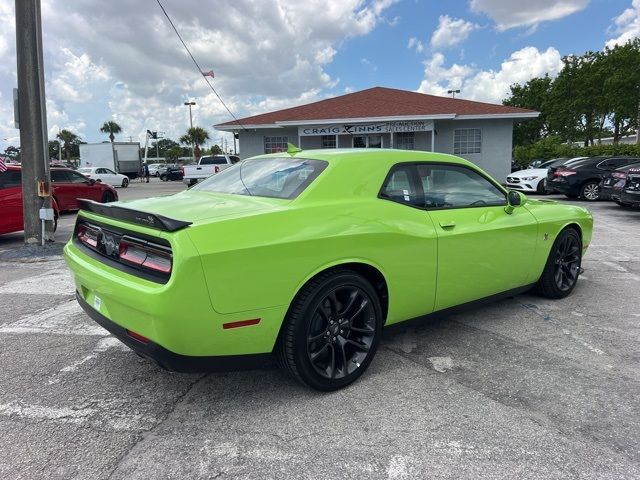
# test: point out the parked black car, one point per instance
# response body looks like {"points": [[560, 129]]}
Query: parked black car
{"points": [[612, 183], [582, 178], [630, 195], [171, 173]]}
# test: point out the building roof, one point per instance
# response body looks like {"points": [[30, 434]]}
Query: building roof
{"points": [[380, 103]]}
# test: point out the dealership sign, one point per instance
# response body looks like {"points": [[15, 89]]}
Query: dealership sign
{"points": [[363, 129]]}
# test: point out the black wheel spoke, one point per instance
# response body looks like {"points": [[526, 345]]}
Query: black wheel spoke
{"points": [[332, 365], [315, 338], [343, 356], [360, 346], [362, 306], [366, 330], [352, 300], [316, 354], [333, 302]]}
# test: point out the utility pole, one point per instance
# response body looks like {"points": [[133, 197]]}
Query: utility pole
{"points": [[190, 104], [32, 118]]}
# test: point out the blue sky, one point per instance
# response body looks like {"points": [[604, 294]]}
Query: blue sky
{"points": [[120, 60]]}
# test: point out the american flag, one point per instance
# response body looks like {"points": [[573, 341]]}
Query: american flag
{"points": [[208, 74], [3, 165]]}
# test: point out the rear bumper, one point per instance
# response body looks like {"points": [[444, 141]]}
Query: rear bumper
{"points": [[176, 362], [629, 198]]}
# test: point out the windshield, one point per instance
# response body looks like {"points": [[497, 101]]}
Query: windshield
{"points": [[265, 177]]}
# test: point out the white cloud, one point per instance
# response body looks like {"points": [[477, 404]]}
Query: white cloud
{"points": [[451, 32], [509, 14], [627, 25], [369, 64], [415, 43], [438, 79], [489, 85], [101, 62]]}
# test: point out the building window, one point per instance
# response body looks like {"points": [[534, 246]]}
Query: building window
{"points": [[328, 141], [467, 140], [367, 141], [275, 144], [404, 140]]}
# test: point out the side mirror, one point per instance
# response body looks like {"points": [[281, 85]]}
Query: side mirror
{"points": [[92, 181], [515, 199]]}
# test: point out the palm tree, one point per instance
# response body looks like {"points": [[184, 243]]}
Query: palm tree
{"points": [[111, 128], [195, 137], [69, 138]]}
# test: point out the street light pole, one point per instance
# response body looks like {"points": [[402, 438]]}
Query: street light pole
{"points": [[190, 104], [453, 92], [32, 119]]}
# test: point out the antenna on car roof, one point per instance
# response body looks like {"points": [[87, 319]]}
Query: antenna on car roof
{"points": [[292, 149]]}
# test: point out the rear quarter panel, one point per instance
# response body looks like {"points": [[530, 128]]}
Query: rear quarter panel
{"points": [[263, 261]]}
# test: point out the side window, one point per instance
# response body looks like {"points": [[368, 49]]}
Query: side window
{"points": [[399, 187], [451, 186], [59, 176], [10, 179], [75, 177], [234, 159], [108, 172]]}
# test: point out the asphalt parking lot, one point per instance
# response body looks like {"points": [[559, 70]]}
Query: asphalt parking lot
{"points": [[522, 388]]}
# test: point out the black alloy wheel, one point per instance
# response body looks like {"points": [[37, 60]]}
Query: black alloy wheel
{"points": [[125, 182], [108, 197], [341, 332], [590, 191], [561, 272], [542, 187], [332, 330], [163, 178]]}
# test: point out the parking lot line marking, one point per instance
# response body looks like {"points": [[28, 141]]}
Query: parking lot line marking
{"points": [[53, 282], [59, 320]]}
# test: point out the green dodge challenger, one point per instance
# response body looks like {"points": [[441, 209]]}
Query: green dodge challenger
{"points": [[307, 255]]}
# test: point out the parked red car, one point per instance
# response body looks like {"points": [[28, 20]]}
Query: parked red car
{"points": [[67, 186]]}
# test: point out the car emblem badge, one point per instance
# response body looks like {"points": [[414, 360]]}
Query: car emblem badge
{"points": [[110, 244], [546, 237]]}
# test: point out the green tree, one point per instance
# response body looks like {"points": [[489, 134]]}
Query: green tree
{"points": [[70, 140], [533, 95], [13, 153], [111, 128], [163, 145], [216, 150], [195, 137], [622, 87], [172, 154], [54, 149]]}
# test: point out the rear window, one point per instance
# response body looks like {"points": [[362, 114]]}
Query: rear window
{"points": [[270, 177], [213, 161]]}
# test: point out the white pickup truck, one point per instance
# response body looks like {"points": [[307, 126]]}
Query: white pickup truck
{"points": [[207, 166]]}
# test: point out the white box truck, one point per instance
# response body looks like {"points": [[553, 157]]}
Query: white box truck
{"points": [[122, 157]]}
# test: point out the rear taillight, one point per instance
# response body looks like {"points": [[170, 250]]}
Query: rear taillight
{"points": [[564, 172], [88, 235], [144, 255]]}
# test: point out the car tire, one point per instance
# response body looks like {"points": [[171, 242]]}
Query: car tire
{"points": [[571, 195], [590, 191], [542, 187], [560, 274], [163, 178], [331, 331], [108, 197], [125, 182]]}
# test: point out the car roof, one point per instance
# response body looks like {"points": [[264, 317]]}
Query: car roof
{"points": [[340, 155]]}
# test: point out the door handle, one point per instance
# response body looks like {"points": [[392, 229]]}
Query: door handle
{"points": [[447, 223]]}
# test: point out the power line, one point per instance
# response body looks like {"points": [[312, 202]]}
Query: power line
{"points": [[197, 65]]}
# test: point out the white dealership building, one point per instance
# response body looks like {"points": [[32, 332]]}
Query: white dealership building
{"points": [[388, 118]]}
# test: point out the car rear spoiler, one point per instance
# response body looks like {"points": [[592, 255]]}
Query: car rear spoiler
{"points": [[151, 220]]}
